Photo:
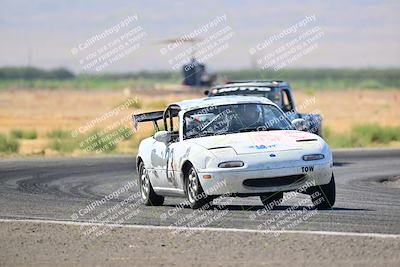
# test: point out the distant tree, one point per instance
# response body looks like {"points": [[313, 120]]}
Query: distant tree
{"points": [[62, 74], [32, 73]]}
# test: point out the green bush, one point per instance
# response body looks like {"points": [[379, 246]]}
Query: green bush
{"points": [[32, 134], [23, 134], [16, 133], [8, 145], [101, 141], [62, 141], [58, 134], [373, 133], [137, 104], [363, 135], [64, 146], [96, 141]]}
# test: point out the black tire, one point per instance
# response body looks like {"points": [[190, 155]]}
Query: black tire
{"points": [[196, 197], [271, 200], [149, 197], [324, 196]]}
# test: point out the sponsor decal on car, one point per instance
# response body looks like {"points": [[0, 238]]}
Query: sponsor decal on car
{"points": [[307, 169], [259, 147]]}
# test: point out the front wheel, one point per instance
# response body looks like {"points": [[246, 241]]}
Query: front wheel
{"points": [[149, 197], [196, 196], [324, 196]]}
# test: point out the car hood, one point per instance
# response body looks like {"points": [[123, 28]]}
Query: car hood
{"points": [[259, 142]]}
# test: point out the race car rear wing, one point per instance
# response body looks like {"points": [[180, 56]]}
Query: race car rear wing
{"points": [[148, 116]]}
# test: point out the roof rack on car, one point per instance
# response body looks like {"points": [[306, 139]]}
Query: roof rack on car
{"points": [[254, 81]]}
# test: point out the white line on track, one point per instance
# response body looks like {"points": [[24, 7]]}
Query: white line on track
{"points": [[205, 229]]}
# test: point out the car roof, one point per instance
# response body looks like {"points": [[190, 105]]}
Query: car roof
{"points": [[220, 100], [252, 84]]}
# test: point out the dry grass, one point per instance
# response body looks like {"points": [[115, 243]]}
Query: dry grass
{"points": [[343, 109], [46, 110]]}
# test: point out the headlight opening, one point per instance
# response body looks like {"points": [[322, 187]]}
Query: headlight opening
{"points": [[231, 164], [313, 157]]}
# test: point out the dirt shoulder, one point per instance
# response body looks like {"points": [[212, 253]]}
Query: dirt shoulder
{"points": [[44, 244]]}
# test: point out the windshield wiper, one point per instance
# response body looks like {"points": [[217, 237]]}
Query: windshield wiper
{"points": [[250, 129], [272, 129], [258, 129], [205, 134]]}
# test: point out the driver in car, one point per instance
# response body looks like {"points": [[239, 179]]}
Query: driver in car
{"points": [[247, 117]]}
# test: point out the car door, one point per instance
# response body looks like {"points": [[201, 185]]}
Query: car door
{"points": [[163, 155], [288, 105], [158, 162]]}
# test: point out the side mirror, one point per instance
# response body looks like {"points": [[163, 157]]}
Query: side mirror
{"points": [[206, 92], [300, 124], [162, 136]]}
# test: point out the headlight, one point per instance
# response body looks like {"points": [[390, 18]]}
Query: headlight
{"points": [[223, 151], [313, 157], [231, 164]]}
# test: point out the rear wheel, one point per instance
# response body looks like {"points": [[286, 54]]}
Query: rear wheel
{"points": [[324, 196], [196, 196], [271, 200], [146, 190]]}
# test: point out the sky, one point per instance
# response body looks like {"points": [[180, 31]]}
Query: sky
{"points": [[353, 34]]}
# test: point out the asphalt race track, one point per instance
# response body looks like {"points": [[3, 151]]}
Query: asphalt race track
{"points": [[60, 188]]}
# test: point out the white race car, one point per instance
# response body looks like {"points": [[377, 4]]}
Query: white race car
{"points": [[235, 146]]}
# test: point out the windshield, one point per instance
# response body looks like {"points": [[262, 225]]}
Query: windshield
{"points": [[269, 93], [226, 119]]}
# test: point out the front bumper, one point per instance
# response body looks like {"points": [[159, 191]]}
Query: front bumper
{"points": [[241, 180]]}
